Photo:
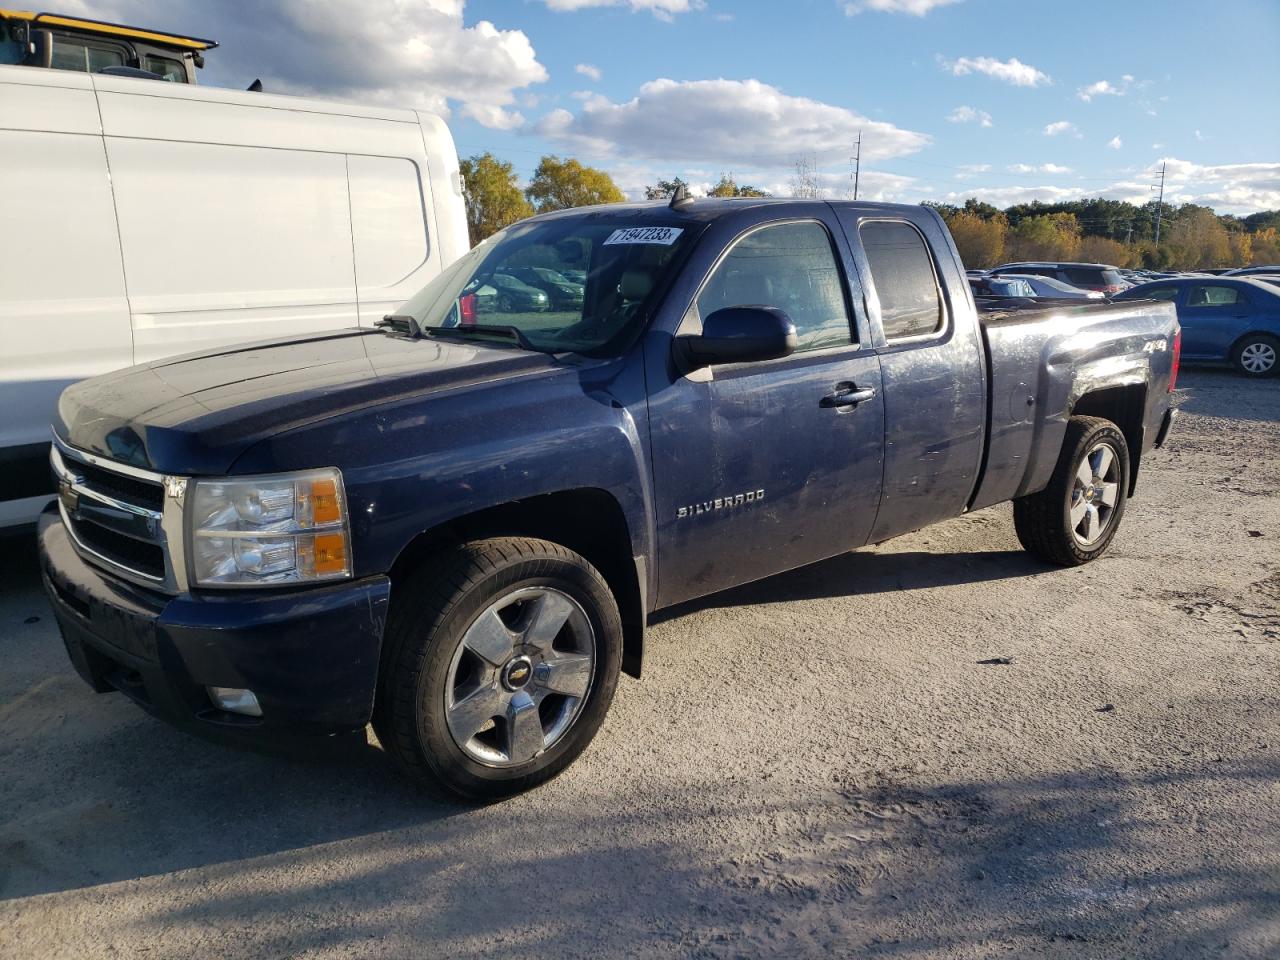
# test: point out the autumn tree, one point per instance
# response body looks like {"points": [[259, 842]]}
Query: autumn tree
{"points": [[492, 196], [664, 189], [1053, 236], [558, 184], [1197, 238], [980, 241], [1108, 251], [729, 187]]}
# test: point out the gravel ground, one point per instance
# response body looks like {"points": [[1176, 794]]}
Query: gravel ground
{"points": [[819, 764]]}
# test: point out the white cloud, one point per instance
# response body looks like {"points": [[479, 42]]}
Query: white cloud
{"points": [[589, 70], [1201, 137], [915, 8], [1101, 88], [972, 169], [1042, 168], [742, 123], [662, 9], [1239, 188], [1012, 71], [969, 115], [1115, 143], [1059, 127], [402, 54], [1105, 88]]}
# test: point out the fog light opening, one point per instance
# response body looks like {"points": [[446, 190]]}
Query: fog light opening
{"points": [[235, 700]]}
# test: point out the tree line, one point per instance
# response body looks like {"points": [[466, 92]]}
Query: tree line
{"points": [[1112, 231], [1095, 230]]}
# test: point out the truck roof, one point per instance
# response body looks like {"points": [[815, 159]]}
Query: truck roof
{"points": [[704, 209], [103, 27]]}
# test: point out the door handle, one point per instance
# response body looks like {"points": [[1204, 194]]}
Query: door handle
{"points": [[848, 395]]}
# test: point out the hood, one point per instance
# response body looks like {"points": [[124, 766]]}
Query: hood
{"points": [[196, 414]]}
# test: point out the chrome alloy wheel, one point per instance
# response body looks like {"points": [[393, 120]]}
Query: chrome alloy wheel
{"points": [[1095, 493], [520, 676], [1258, 357]]}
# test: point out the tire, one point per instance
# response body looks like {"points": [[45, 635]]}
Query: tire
{"points": [[1257, 355], [505, 305], [1070, 522], [457, 708]]}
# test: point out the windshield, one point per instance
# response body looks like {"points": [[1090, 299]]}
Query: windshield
{"points": [[582, 284]]}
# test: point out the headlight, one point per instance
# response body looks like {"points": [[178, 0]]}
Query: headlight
{"points": [[272, 530]]}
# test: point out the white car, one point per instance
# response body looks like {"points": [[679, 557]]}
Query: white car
{"points": [[147, 219], [1049, 287]]}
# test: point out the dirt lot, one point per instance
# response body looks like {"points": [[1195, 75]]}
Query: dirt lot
{"points": [[818, 764]]}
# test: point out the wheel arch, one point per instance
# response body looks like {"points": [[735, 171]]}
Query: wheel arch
{"points": [[587, 520], [1125, 406]]}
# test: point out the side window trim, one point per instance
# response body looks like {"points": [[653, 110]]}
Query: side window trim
{"points": [[872, 295], [691, 319]]}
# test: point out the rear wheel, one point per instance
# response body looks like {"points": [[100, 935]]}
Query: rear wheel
{"points": [[1256, 355], [1073, 519], [502, 658]]}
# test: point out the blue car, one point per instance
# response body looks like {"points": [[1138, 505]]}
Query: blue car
{"points": [[1224, 319]]}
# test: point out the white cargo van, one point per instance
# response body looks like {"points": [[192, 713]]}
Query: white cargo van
{"points": [[144, 219]]}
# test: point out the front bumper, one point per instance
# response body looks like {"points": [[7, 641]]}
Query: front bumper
{"points": [[310, 656]]}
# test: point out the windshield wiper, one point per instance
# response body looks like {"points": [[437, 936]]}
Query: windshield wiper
{"points": [[399, 324], [486, 330]]}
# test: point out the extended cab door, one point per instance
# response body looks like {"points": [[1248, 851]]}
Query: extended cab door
{"points": [[931, 359], [761, 467]]}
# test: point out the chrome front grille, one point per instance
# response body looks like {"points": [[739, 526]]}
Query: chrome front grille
{"points": [[123, 519]]}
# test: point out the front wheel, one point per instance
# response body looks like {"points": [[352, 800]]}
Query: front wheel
{"points": [[1074, 518], [1256, 355], [501, 661]]}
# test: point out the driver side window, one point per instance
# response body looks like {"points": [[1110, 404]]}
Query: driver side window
{"points": [[791, 266]]}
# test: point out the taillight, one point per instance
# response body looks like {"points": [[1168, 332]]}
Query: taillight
{"points": [[467, 310], [1177, 358]]}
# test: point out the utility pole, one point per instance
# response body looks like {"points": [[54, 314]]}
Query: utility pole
{"points": [[1159, 203], [857, 164]]}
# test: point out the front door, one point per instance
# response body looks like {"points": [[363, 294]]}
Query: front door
{"points": [[762, 467]]}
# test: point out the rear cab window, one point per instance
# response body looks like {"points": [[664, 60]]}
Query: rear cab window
{"points": [[905, 279]]}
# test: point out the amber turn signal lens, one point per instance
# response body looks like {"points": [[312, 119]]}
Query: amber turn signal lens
{"points": [[324, 502], [330, 552]]}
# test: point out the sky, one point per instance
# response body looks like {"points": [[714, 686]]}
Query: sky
{"points": [[1005, 100]]}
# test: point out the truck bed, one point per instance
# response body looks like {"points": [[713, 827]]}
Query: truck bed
{"points": [[1042, 358]]}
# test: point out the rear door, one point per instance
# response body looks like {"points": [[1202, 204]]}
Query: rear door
{"points": [[757, 467], [1213, 316], [931, 361]]}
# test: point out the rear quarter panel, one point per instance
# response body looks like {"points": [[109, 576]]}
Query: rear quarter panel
{"points": [[1040, 367]]}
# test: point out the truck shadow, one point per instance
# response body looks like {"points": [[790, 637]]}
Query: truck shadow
{"points": [[865, 572]]}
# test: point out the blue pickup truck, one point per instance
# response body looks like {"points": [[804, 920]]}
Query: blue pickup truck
{"points": [[455, 526]]}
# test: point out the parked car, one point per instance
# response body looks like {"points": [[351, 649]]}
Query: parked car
{"points": [[992, 286], [1223, 319], [563, 293], [225, 216], [516, 296], [1087, 276], [1248, 271], [1049, 287], [460, 532]]}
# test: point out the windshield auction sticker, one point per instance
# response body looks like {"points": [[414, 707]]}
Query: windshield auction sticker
{"points": [[663, 235]]}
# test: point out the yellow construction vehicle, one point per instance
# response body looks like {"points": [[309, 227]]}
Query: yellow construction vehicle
{"points": [[75, 43]]}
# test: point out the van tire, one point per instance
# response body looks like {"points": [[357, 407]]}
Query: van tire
{"points": [[449, 598], [1055, 524]]}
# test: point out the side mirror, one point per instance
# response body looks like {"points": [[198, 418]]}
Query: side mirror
{"points": [[738, 335]]}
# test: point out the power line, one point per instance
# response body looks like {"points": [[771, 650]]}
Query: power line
{"points": [[857, 164]]}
